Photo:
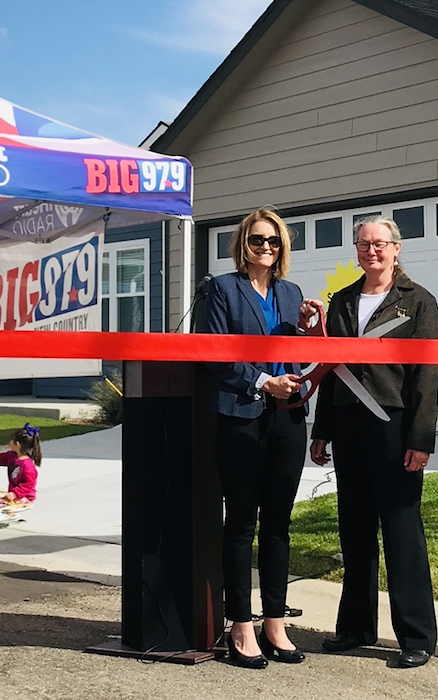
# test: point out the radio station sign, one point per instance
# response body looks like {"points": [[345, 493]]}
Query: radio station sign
{"points": [[52, 287]]}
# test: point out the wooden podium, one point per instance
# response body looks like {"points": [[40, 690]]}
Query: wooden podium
{"points": [[172, 513]]}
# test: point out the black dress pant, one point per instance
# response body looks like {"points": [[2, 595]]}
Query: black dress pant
{"points": [[260, 463], [374, 485]]}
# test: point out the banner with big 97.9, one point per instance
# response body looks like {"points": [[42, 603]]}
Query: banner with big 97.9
{"points": [[52, 286]]}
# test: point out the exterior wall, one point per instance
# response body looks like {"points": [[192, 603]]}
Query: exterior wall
{"points": [[346, 107]]}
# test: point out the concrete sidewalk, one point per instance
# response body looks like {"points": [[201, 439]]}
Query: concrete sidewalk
{"points": [[75, 525]]}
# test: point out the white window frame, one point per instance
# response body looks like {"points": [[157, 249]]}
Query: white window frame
{"points": [[112, 249], [411, 243], [220, 265]]}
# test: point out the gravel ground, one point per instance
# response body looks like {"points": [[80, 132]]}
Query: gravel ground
{"points": [[48, 620]]}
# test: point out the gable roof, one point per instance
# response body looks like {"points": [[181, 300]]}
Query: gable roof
{"points": [[418, 14], [415, 13]]}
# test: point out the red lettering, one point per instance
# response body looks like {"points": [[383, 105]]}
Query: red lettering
{"points": [[27, 303], [11, 280], [96, 178], [129, 178], [113, 167]]}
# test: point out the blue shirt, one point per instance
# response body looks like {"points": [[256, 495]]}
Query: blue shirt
{"points": [[273, 323]]}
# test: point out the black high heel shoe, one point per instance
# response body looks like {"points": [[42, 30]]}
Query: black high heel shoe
{"points": [[287, 656], [239, 659]]}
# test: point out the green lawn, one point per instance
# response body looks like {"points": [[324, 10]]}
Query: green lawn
{"points": [[51, 429], [314, 537]]}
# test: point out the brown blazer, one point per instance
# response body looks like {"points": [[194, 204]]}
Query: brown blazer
{"points": [[413, 387]]}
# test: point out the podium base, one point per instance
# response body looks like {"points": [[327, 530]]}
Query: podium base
{"points": [[115, 648]]}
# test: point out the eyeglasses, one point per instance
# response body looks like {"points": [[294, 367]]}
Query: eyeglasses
{"points": [[363, 246], [258, 241]]}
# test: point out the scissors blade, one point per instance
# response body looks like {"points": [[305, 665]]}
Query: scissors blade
{"points": [[386, 327], [362, 394]]}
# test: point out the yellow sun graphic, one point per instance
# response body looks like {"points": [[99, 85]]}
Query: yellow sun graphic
{"points": [[342, 278]]}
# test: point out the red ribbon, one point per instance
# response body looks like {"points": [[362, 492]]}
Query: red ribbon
{"points": [[199, 347]]}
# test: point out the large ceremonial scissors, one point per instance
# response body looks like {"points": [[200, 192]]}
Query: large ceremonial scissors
{"points": [[315, 372]]}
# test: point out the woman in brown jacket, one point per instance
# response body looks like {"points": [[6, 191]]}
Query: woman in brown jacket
{"points": [[379, 466]]}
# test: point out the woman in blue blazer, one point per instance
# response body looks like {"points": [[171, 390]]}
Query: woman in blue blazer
{"points": [[260, 448]]}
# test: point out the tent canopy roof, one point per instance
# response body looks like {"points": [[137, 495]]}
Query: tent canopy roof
{"points": [[65, 177]]}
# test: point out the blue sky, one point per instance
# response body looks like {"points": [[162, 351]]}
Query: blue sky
{"points": [[111, 67]]}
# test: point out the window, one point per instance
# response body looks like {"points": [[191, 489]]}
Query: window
{"points": [[223, 241], [367, 215], [298, 229], [125, 286], [410, 221], [328, 232]]}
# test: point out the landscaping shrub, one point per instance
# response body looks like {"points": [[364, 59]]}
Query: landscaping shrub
{"points": [[108, 400]]}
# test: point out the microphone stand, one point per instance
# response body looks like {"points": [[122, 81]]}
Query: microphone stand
{"points": [[201, 293]]}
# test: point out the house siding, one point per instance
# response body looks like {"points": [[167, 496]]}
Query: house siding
{"points": [[342, 109]]}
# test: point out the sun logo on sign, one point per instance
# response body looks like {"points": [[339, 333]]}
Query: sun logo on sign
{"points": [[342, 278]]}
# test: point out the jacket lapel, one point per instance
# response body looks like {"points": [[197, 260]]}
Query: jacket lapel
{"points": [[280, 296], [246, 288], [351, 300], [352, 296], [391, 304]]}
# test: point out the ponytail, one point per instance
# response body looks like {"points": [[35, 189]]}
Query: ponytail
{"points": [[29, 441], [36, 450]]}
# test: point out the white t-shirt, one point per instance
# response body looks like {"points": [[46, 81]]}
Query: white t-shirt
{"points": [[368, 303]]}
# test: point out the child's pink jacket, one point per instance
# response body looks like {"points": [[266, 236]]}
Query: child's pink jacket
{"points": [[22, 475]]}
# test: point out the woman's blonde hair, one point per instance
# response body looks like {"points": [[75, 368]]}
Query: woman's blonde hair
{"points": [[394, 230], [242, 253]]}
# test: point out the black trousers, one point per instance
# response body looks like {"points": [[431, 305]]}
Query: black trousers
{"points": [[373, 485], [260, 463]]}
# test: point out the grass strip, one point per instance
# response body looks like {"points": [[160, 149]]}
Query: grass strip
{"points": [[314, 538], [50, 428]]}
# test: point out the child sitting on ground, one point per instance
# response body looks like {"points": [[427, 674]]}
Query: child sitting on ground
{"points": [[22, 461]]}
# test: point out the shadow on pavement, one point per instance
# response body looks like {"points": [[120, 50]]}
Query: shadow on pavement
{"points": [[47, 544], [51, 631], [40, 575]]}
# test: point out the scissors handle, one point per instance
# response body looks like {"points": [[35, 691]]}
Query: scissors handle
{"points": [[319, 328], [315, 376]]}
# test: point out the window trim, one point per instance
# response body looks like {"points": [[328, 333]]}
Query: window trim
{"points": [[112, 249]]}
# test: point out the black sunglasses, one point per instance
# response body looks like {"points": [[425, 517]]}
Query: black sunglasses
{"points": [[256, 240]]}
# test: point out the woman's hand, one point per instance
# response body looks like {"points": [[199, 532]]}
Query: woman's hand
{"points": [[283, 386], [308, 309], [318, 453], [415, 461]]}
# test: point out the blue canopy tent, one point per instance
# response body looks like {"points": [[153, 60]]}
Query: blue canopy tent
{"points": [[82, 177], [56, 180]]}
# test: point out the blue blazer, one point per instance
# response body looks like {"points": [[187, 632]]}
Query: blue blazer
{"points": [[232, 307]]}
